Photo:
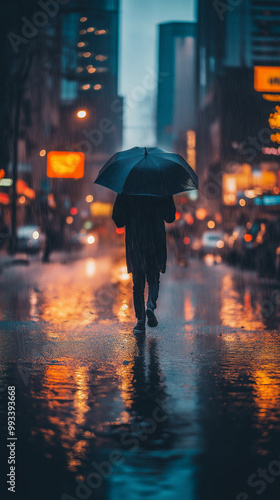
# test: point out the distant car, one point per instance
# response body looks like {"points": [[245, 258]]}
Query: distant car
{"points": [[252, 238], [195, 246], [212, 242], [85, 239], [30, 239], [4, 236], [233, 245], [268, 251]]}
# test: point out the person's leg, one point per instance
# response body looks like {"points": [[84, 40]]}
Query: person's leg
{"points": [[138, 294], [153, 284], [46, 256]]}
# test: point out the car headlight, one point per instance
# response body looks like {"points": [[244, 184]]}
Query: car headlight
{"points": [[90, 239], [35, 235]]}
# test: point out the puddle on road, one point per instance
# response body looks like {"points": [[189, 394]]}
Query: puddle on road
{"points": [[192, 407]]}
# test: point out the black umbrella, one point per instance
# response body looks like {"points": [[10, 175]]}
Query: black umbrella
{"points": [[147, 171]]}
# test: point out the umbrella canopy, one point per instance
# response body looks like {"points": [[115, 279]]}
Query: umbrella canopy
{"points": [[147, 171]]}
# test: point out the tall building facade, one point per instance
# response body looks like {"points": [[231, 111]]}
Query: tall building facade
{"points": [[265, 35], [89, 35], [69, 64], [246, 35], [210, 47], [89, 76], [253, 34], [176, 110], [233, 134]]}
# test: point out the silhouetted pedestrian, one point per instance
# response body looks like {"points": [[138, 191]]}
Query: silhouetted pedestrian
{"points": [[146, 253]]}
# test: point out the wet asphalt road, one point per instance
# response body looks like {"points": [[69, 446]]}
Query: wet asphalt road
{"points": [[189, 411]]}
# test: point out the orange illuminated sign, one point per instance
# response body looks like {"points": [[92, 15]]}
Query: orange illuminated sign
{"points": [[267, 78], [99, 209], [66, 165]]}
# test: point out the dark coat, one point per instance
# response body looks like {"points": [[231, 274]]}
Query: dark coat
{"points": [[145, 236]]}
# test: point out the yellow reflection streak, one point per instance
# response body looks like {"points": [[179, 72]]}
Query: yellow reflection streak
{"points": [[234, 313], [90, 267], [188, 308], [267, 392], [125, 373], [34, 312], [58, 385], [63, 306]]}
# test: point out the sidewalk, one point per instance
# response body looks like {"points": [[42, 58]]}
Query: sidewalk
{"points": [[64, 257]]}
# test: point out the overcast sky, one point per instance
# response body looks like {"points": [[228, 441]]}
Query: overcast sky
{"points": [[138, 61]]}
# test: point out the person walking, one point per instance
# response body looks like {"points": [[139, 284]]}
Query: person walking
{"points": [[146, 180], [146, 255]]}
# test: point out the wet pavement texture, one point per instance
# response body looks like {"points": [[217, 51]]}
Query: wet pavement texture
{"points": [[191, 410]]}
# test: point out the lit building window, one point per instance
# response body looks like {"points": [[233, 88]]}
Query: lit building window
{"points": [[191, 148], [83, 19], [97, 86], [275, 137], [101, 58], [81, 44], [90, 30], [87, 54], [101, 32], [86, 86], [92, 70], [274, 119]]}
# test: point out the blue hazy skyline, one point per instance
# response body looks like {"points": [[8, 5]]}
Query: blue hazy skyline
{"points": [[139, 21]]}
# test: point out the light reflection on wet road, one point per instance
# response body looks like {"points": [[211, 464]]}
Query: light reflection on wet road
{"points": [[188, 411]]}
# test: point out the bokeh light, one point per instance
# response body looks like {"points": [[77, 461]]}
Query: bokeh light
{"points": [[82, 113]]}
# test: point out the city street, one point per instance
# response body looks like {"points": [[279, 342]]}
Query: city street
{"points": [[191, 410]]}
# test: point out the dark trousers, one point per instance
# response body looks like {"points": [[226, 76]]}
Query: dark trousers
{"points": [[139, 280]]}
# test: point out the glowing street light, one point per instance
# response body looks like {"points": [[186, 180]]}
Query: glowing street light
{"points": [[81, 113]]}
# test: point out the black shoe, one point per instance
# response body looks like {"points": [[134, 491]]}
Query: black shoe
{"points": [[152, 320], [140, 326]]}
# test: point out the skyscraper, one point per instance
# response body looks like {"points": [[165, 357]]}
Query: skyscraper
{"points": [[176, 88], [265, 35], [210, 46], [90, 48], [231, 41], [89, 72]]}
